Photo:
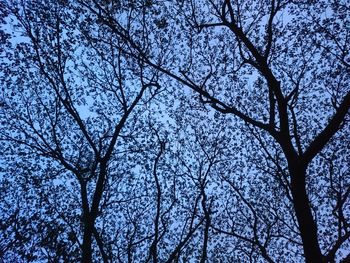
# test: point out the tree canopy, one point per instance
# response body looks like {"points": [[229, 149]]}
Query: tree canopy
{"points": [[175, 131]]}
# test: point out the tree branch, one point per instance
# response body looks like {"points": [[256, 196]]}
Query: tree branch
{"points": [[327, 133]]}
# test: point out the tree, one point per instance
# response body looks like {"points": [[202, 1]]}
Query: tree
{"points": [[282, 67], [69, 103], [82, 158], [249, 165]]}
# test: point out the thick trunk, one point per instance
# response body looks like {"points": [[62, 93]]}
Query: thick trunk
{"points": [[307, 225], [87, 249]]}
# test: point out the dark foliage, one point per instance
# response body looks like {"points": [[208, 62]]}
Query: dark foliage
{"points": [[175, 131]]}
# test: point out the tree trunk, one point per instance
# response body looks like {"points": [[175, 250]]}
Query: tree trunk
{"points": [[87, 239], [306, 222]]}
